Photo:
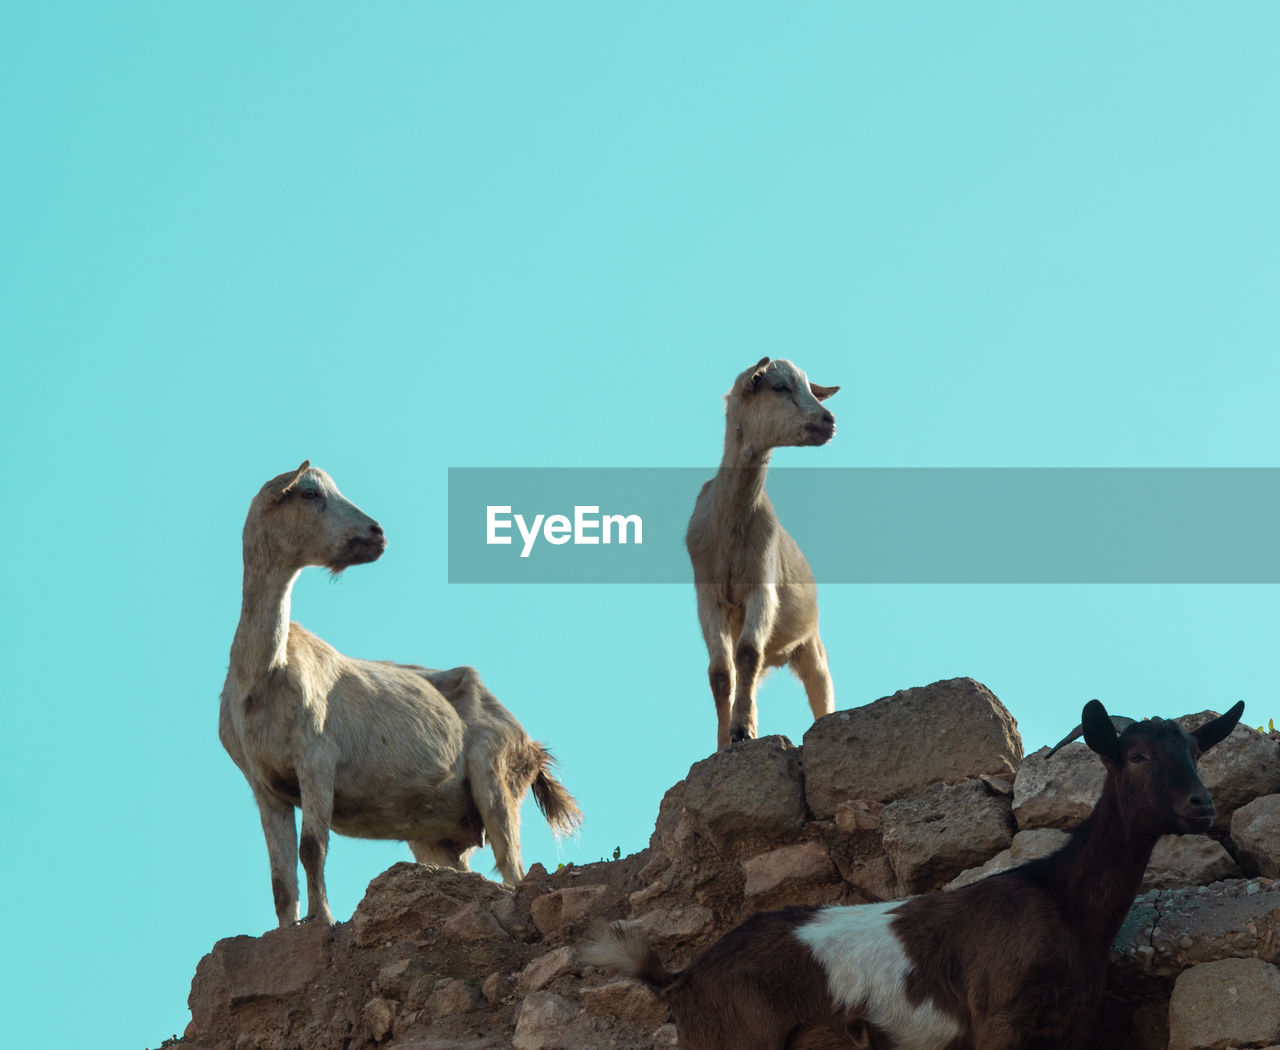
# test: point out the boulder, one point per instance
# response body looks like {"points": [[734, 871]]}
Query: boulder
{"points": [[561, 907], [545, 969], [1255, 829], [1167, 931], [781, 874], [541, 1022], [627, 1000], [408, 896], [937, 834], [1187, 860], [1026, 845], [1226, 1004], [899, 745], [1057, 792], [753, 790]]}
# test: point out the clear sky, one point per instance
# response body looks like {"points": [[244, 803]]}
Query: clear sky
{"points": [[401, 238]]}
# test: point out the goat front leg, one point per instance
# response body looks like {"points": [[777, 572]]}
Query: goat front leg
{"points": [[715, 632], [281, 831], [317, 813], [760, 611]]}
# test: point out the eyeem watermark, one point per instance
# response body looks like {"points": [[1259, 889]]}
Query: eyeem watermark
{"points": [[587, 528], [879, 525]]}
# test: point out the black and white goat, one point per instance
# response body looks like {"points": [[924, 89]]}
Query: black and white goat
{"points": [[1014, 962]]}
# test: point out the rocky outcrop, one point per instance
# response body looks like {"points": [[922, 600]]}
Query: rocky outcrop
{"points": [[901, 744], [1255, 830], [435, 959], [1225, 1004], [1057, 792], [933, 836]]}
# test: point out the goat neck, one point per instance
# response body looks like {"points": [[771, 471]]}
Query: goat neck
{"points": [[1100, 869], [263, 632], [739, 483]]}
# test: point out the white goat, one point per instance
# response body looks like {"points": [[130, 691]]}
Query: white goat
{"points": [[757, 602], [371, 749]]}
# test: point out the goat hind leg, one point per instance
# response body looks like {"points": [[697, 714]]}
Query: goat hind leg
{"points": [[809, 662], [313, 845], [443, 854], [498, 800]]}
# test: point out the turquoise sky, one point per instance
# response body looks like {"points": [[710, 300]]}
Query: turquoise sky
{"points": [[400, 238]]}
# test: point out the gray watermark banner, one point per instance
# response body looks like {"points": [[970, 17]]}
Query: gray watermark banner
{"points": [[879, 525]]}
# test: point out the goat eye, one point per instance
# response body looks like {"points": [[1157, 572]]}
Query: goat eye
{"points": [[1138, 757], [781, 388], [309, 494]]}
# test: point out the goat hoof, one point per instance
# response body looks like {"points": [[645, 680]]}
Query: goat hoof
{"points": [[737, 734]]}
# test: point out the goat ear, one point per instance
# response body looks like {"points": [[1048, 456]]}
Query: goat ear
{"points": [[823, 392], [1100, 732], [752, 381], [1212, 732], [297, 476]]}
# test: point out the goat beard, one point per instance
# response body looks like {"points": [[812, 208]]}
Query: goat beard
{"points": [[356, 552]]}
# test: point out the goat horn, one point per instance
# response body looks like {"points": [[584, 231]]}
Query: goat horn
{"points": [[306, 464], [1119, 721]]}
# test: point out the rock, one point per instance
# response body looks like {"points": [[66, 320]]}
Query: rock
{"points": [[378, 1014], [935, 835], [784, 871], [863, 864], [1026, 845], [452, 997], [627, 1001], [899, 745], [668, 833], [665, 1037], [1226, 1004], [1167, 931], [862, 814], [496, 987], [545, 969], [1244, 766], [676, 921], [408, 896], [560, 907], [1057, 792], [753, 790], [1187, 860], [280, 964], [542, 1021], [1255, 829], [396, 980], [474, 923]]}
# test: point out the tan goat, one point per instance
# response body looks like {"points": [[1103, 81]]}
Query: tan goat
{"points": [[372, 749], [757, 601]]}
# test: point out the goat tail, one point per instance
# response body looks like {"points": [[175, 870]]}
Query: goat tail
{"points": [[557, 805], [623, 946]]}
